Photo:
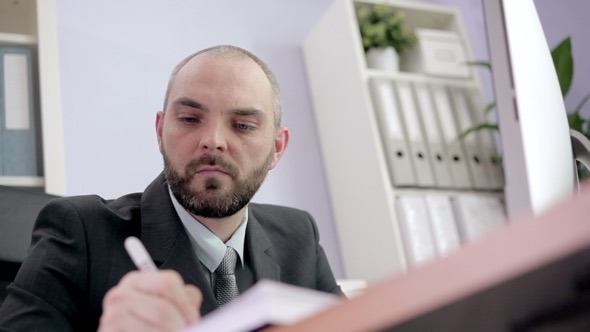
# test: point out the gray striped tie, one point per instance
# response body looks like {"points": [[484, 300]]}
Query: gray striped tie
{"points": [[226, 289]]}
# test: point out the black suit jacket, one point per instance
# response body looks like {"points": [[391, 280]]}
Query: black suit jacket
{"points": [[77, 255]]}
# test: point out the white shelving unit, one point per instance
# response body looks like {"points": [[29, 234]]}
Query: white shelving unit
{"points": [[33, 23], [18, 39], [360, 184]]}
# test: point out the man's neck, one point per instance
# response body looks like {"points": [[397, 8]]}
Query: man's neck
{"points": [[224, 228]]}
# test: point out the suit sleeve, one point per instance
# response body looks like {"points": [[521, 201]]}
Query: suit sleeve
{"points": [[49, 290]]}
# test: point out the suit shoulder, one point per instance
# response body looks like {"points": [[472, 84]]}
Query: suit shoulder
{"points": [[94, 206]]}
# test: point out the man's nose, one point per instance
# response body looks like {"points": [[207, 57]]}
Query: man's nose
{"points": [[213, 137]]}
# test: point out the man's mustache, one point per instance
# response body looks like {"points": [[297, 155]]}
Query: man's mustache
{"points": [[211, 160]]}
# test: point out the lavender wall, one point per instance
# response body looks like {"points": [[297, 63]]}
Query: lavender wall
{"points": [[115, 58], [570, 18], [559, 18]]}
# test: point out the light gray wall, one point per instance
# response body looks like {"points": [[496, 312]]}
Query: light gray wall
{"points": [[115, 58]]}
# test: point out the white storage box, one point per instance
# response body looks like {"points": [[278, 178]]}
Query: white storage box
{"points": [[437, 53]]}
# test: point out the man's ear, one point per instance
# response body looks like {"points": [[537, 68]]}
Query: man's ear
{"points": [[281, 142], [160, 128]]}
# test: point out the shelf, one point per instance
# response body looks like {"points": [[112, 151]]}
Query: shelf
{"points": [[22, 181], [421, 78], [351, 133], [17, 39], [423, 15]]}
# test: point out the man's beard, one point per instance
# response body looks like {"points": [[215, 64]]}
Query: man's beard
{"points": [[212, 202]]}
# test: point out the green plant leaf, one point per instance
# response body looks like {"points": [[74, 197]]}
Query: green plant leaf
{"points": [[576, 122], [583, 172], [485, 64], [564, 64], [382, 25], [496, 159], [582, 103], [489, 108], [481, 126]]}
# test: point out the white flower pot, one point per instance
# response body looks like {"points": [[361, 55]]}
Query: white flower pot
{"points": [[383, 58]]}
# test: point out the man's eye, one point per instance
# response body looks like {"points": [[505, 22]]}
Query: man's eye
{"points": [[189, 120], [243, 126]]}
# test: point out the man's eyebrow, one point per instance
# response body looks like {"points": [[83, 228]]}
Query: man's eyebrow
{"points": [[189, 102], [249, 112]]}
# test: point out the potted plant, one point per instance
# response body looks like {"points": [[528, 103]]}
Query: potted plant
{"points": [[384, 35], [564, 67]]}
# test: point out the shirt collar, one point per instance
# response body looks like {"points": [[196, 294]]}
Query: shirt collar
{"points": [[208, 247]]}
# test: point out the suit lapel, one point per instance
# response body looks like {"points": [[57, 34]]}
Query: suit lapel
{"points": [[167, 242], [258, 242], [182, 259]]}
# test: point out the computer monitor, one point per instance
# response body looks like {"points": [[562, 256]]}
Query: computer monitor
{"points": [[534, 132]]}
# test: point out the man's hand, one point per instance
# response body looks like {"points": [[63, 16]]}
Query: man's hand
{"points": [[154, 301]]}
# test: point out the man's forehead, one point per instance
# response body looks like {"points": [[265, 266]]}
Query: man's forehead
{"points": [[223, 68], [208, 60]]}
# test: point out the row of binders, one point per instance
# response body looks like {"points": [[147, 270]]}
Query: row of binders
{"points": [[420, 124], [433, 225]]}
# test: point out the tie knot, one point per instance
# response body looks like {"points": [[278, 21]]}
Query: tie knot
{"points": [[228, 263]]}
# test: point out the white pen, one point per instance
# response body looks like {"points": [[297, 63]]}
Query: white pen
{"points": [[139, 255]]}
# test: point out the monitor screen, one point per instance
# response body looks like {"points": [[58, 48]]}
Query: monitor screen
{"points": [[534, 132]]}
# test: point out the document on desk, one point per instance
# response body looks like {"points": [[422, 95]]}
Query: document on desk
{"points": [[266, 303]]}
